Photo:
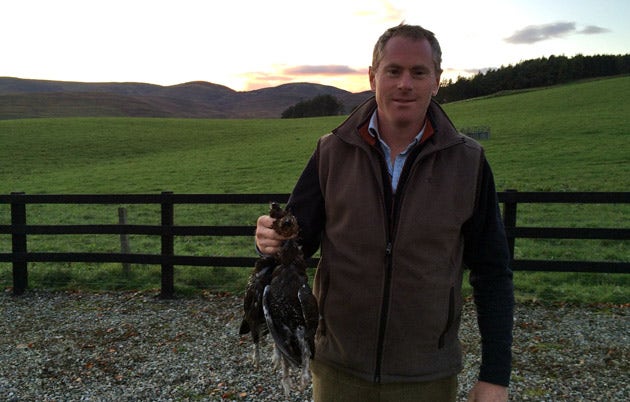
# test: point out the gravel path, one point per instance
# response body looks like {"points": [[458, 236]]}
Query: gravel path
{"points": [[135, 347]]}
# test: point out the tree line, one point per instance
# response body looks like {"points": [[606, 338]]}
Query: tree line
{"points": [[322, 105], [534, 73]]}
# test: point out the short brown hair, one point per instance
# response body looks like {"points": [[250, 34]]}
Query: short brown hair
{"points": [[415, 32]]}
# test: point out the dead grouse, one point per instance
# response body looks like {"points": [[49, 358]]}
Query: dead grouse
{"points": [[291, 313], [253, 317]]}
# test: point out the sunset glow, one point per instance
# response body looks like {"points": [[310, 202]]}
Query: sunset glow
{"points": [[247, 45]]}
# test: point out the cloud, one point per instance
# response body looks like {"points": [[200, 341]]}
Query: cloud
{"points": [[341, 76], [482, 70], [537, 33], [392, 13], [382, 10], [592, 29], [321, 70]]}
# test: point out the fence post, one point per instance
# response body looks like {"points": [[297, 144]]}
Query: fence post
{"points": [[509, 222], [124, 239], [18, 241], [168, 249]]}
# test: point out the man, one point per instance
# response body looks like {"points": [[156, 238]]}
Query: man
{"points": [[399, 203]]}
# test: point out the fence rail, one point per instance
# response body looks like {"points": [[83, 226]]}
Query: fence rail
{"points": [[19, 230]]}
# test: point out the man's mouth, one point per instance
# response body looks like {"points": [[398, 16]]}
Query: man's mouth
{"points": [[403, 101]]}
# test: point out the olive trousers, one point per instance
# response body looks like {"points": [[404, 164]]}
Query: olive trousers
{"points": [[332, 385]]}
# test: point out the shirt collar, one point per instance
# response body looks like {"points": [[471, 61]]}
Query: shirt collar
{"points": [[373, 130]]}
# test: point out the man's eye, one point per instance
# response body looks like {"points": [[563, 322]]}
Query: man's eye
{"points": [[392, 72]]}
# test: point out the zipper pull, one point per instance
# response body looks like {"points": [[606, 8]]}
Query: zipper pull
{"points": [[388, 248]]}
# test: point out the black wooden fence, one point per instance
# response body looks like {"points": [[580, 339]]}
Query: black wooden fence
{"points": [[19, 230]]}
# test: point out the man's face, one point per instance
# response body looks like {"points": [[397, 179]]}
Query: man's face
{"points": [[404, 82]]}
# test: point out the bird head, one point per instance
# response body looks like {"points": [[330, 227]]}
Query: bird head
{"points": [[275, 211]]}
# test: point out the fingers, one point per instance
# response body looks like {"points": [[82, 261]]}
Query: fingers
{"points": [[267, 240]]}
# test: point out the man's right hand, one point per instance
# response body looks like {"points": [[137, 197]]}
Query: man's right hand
{"points": [[268, 241]]}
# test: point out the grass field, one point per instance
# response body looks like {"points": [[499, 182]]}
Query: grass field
{"points": [[566, 138]]}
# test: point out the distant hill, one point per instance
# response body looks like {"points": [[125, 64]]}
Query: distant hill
{"points": [[25, 98]]}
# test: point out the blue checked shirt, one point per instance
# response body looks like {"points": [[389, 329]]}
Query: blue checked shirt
{"points": [[396, 167]]}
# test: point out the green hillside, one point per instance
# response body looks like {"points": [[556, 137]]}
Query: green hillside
{"points": [[572, 137], [106, 155]]}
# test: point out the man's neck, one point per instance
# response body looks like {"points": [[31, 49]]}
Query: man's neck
{"points": [[399, 137]]}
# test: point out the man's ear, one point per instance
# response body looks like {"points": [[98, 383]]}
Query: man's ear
{"points": [[437, 85], [372, 73]]}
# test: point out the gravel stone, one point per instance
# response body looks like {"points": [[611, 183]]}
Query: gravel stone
{"points": [[60, 346]]}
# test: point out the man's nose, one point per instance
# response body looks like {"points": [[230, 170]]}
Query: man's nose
{"points": [[405, 80]]}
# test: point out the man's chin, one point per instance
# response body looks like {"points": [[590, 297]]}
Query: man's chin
{"points": [[406, 118]]}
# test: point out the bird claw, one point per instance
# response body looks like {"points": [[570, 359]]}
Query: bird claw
{"points": [[286, 376], [305, 378], [256, 356], [286, 386], [276, 358]]}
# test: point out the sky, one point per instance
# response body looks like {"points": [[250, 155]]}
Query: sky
{"points": [[252, 44]]}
